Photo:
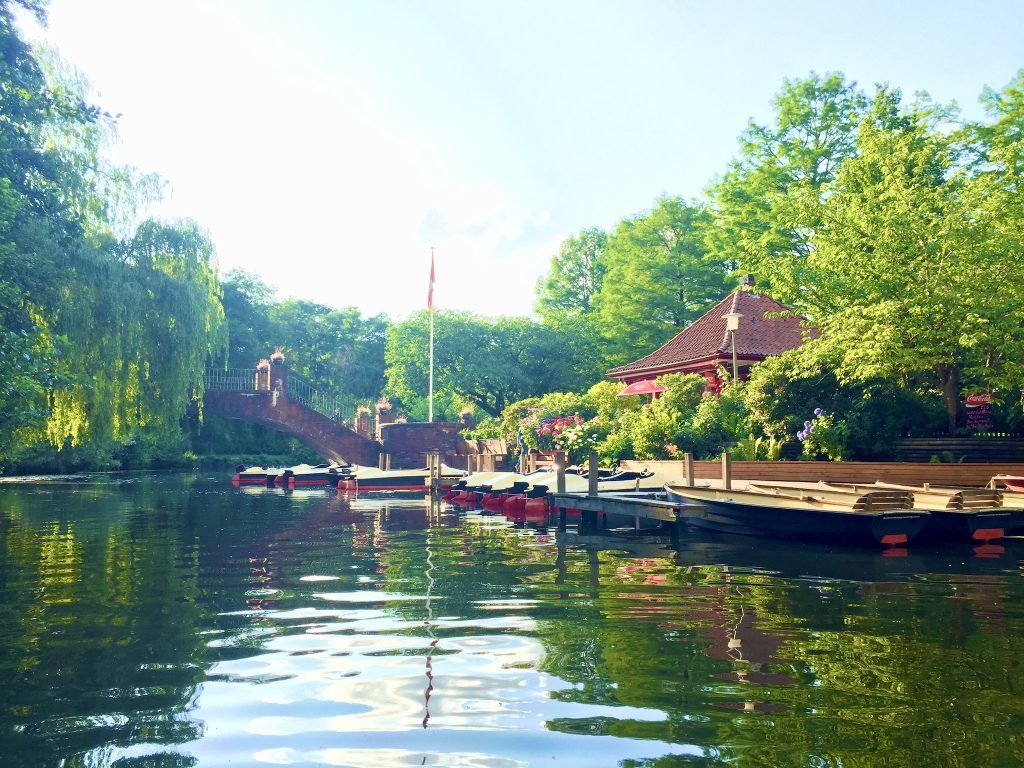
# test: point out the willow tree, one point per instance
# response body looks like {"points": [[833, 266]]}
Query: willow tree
{"points": [[106, 325]]}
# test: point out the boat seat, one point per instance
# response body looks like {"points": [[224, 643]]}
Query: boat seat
{"points": [[880, 501], [976, 498]]}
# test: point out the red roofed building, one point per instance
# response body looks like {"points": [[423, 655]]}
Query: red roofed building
{"points": [[705, 345]]}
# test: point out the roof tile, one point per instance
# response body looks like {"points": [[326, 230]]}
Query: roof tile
{"points": [[707, 337]]}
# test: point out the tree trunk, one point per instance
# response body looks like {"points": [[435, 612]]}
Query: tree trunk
{"points": [[949, 379]]}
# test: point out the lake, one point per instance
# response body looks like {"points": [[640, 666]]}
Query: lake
{"points": [[172, 620]]}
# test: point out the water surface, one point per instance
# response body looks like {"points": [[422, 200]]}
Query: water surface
{"points": [[175, 621]]}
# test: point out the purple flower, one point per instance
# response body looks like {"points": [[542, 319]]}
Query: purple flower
{"points": [[802, 435], [810, 429], [807, 425], [818, 412]]}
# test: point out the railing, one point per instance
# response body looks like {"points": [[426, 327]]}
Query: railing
{"points": [[298, 391], [301, 392], [232, 379]]}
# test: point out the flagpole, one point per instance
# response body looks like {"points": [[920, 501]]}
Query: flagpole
{"points": [[430, 379]]}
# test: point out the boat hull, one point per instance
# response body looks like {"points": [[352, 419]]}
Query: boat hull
{"points": [[406, 484], [968, 525], [325, 479], [841, 527]]}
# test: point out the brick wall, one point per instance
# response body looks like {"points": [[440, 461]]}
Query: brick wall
{"points": [[408, 443]]}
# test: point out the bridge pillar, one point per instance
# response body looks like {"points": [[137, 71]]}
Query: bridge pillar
{"points": [[278, 375]]}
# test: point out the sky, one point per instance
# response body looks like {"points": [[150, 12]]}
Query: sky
{"points": [[327, 145]]}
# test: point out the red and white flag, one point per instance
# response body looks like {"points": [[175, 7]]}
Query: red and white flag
{"points": [[430, 291]]}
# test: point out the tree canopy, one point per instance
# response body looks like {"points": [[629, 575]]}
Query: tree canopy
{"points": [[659, 278], [107, 321]]}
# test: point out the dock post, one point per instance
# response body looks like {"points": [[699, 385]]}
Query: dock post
{"points": [[726, 471], [560, 462], [688, 468], [380, 460], [561, 518], [531, 463], [592, 475]]}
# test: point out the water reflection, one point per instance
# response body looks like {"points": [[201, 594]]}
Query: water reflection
{"points": [[175, 621]]}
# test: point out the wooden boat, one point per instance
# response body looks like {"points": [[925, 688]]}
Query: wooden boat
{"points": [[879, 516], [964, 514], [1010, 503], [371, 479], [1012, 482]]}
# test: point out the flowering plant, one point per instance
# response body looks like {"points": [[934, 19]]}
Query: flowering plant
{"points": [[558, 432], [824, 436]]}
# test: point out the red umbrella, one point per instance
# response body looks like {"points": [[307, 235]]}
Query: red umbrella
{"points": [[645, 387]]}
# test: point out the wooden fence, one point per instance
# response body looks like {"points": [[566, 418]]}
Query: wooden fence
{"points": [[909, 473]]}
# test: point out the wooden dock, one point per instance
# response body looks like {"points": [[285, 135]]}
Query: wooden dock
{"points": [[595, 508]]}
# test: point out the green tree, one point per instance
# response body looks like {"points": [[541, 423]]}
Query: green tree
{"points": [[916, 271], [106, 325], [660, 278], [486, 362], [247, 301], [336, 350], [575, 277], [758, 224]]}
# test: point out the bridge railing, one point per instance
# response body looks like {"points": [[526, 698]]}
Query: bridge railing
{"points": [[303, 393], [231, 379], [299, 391]]}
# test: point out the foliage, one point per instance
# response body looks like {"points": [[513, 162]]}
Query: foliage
{"points": [[659, 278], [489, 363], [783, 391], [759, 222], [575, 278], [684, 418], [753, 448], [337, 351], [107, 323], [824, 436], [917, 277]]}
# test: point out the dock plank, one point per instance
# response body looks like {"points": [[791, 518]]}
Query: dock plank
{"points": [[643, 505]]}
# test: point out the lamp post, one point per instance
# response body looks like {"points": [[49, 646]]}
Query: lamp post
{"points": [[732, 324]]}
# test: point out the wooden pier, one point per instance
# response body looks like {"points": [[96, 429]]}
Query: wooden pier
{"points": [[594, 509]]}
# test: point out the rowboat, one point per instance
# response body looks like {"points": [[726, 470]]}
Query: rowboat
{"points": [[879, 516], [957, 514], [1010, 502]]}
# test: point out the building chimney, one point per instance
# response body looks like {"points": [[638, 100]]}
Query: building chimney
{"points": [[747, 281]]}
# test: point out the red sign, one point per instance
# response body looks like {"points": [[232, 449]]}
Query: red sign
{"points": [[981, 398], [979, 411]]}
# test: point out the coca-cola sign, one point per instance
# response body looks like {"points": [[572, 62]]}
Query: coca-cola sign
{"points": [[979, 411]]}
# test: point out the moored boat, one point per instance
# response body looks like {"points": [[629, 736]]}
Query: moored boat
{"points": [[880, 516], [956, 514], [372, 479], [326, 475], [254, 475]]}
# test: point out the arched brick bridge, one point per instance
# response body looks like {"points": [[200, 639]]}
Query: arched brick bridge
{"points": [[270, 397]]}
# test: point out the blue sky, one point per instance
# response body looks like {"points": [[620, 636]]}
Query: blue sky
{"points": [[327, 144]]}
